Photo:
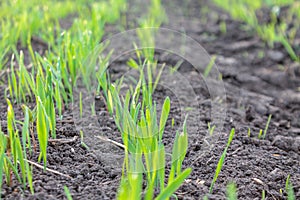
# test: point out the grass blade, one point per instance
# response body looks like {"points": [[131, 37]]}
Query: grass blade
{"points": [[267, 126], [221, 161], [171, 188], [68, 193], [42, 131], [231, 192], [164, 116], [2, 155]]}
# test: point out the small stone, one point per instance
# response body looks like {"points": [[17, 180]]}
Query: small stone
{"points": [[248, 172], [200, 182], [226, 61], [276, 175], [48, 187], [284, 123], [260, 108], [276, 56]]}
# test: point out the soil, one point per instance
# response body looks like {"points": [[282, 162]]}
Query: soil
{"points": [[256, 86]]}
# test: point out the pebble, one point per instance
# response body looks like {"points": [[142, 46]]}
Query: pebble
{"points": [[226, 61], [248, 172], [276, 56], [260, 108], [275, 175]]}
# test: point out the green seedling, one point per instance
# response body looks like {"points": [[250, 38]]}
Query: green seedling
{"points": [[272, 31], [142, 137], [42, 131], [68, 193], [5, 154], [48, 82], [209, 66], [12, 82], [45, 92], [263, 195], [30, 118], [267, 126], [221, 161], [261, 54], [211, 129], [260, 133], [3, 142], [11, 131], [141, 143], [15, 151], [223, 28], [150, 66], [20, 82], [3, 59], [154, 18], [25, 129], [170, 189], [81, 141], [289, 189], [22, 150], [173, 122], [141, 133], [145, 140], [249, 132], [52, 78], [281, 191], [176, 67], [231, 192]]}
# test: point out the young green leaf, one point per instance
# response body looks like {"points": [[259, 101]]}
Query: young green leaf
{"points": [[221, 160], [68, 193], [231, 192], [172, 187], [164, 117], [42, 130], [267, 127]]}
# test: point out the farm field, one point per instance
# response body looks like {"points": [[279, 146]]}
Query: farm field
{"points": [[156, 99]]}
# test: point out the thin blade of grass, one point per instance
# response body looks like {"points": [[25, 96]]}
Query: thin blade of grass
{"points": [[267, 127], [221, 160], [42, 131], [68, 193], [171, 188], [164, 116]]}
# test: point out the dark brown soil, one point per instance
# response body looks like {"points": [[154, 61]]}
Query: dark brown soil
{"points": [[256, 86]]}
